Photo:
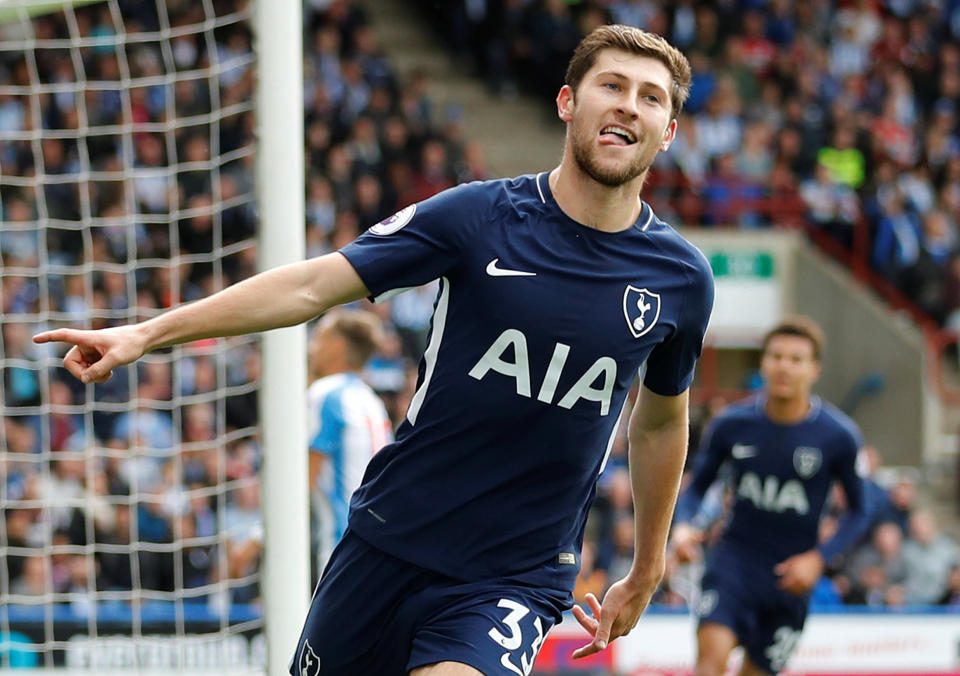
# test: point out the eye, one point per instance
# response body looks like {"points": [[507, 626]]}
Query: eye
{"points": [[653, 98], [612, 86]]}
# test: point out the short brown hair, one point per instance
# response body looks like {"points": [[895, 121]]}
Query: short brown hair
{"points": [[798, 325], [362, 331], [635, 41]]}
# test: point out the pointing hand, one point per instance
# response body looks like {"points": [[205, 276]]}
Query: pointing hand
{"points": [[95, 354]]}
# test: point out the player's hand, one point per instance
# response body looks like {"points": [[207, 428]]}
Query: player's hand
{"points": [[800, 572], [685, 543], [622, 606], [95, 354]]}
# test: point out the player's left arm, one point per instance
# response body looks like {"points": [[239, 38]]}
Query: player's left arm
{"points": [[800, 573], [658, 444], [856, 520]]}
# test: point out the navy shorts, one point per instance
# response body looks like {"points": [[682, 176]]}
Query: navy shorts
{"points": [[743, 595], [375, 614]]}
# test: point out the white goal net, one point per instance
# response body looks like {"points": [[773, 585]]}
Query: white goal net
{"points": [[130, 534]]}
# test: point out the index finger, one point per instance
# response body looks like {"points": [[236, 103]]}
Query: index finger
{"points": [[592, 648], [58, 335]]}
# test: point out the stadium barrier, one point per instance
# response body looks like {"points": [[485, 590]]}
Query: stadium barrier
{"points": [[851, 642]]}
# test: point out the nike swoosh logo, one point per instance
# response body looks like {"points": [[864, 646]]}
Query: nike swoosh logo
{"points": [[494, 271], [741, 451]]}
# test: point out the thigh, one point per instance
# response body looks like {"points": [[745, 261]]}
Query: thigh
{"points": [[351, 625], [748, 668], [715, 642], [725, 600], [777, 634], [498, 629]]}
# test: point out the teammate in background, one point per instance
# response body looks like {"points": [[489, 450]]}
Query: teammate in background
{"points": [[783, 448], [464, 538], [347, 422]]}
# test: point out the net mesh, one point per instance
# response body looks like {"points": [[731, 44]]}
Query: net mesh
{"points": [[131, 521]]}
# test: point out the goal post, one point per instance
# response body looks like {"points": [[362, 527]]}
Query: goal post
{"points": [[280, 193]]}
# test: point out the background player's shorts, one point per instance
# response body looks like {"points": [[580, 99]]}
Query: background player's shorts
{"points": [[375, 614], [744, 597]]}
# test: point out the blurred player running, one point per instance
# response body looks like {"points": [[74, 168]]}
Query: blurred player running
{"points": [[783, 450]]}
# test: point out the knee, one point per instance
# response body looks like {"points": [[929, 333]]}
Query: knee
{"points": [[710, 665]]}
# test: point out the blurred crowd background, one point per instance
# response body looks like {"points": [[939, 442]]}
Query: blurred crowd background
{"points": [[831, 116]]}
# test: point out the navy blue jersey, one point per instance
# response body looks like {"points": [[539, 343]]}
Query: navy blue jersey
{"points": [[781, 477], [540, 326]]}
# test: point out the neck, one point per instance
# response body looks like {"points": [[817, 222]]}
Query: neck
{"points": [[316, 374], [593, 204], [787, 411]]}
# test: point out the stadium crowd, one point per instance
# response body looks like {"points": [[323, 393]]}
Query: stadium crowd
{"points": [[833, 115], [846, 114]]}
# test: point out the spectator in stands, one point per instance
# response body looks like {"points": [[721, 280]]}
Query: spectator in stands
{"points": [[35, 580], [21, 384], [144, 425], [242, 527], [17, 524], [730, 198], [951, 596], [20, 238], [81, 583], [433, 174], [116, 567], [897, 245], [844, 160], [903, 500], [951, 293], [878, 570], [930, 556], [66, 425], [755, 159], [718, 128], [831, 205]]}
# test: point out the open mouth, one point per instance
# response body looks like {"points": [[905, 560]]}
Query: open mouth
{"points": [[618, 135]]}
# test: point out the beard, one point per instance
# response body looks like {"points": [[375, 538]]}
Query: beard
{"points": [[585, 157]]}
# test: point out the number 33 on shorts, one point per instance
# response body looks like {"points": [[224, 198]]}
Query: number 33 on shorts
{"points": [[514, 640]]}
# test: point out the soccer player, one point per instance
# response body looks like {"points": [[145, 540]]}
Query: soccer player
{"points": [[783, 449], [347, 421], [555, 289]]}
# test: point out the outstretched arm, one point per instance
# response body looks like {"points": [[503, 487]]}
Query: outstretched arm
{"points": [[658, 446], [284, 296]]}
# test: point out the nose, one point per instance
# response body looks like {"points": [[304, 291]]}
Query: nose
{"points": [[627, 105]]}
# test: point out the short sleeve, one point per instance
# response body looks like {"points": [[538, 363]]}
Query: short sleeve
{"points": [[671, 365], [419, 243]]}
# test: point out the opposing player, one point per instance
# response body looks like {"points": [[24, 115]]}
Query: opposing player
{"points": [[784, 449], [464, 538], [347, 422]]}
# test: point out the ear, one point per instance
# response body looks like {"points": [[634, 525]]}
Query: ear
{"points": [[668, 135], [565, 103]]}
